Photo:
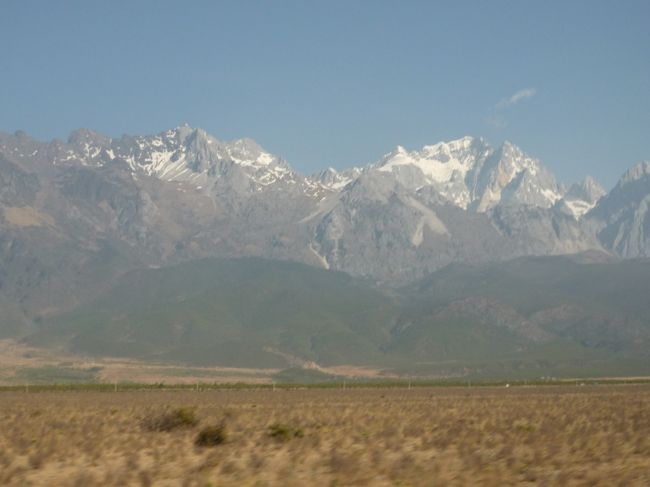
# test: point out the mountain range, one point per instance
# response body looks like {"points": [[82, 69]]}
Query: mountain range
{"points": [[77, 217]]}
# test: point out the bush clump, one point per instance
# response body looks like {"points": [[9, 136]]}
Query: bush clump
{"points": [[523, 425], [171, 420], [211, 436], [283, 432]]}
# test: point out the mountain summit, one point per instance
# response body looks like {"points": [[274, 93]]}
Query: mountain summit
{"points": [[470, 174]]}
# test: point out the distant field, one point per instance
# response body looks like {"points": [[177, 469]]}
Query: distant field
{"points": [[585, 435]]}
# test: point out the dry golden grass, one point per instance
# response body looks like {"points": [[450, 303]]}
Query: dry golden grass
{"points": [[422, 437]]}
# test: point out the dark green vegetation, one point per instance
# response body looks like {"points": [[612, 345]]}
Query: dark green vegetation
{"points": [[562, 316], [211, 436], [530, 317], [171, 420], [284, 432]]}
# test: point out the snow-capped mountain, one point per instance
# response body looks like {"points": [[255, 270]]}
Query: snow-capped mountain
{"points": [[472, 175], [467, 172], [183, 194], [448, 167], [182, 154], [187, 154]]}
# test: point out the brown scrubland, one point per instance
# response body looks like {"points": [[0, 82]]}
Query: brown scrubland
{"points": [[549, 435]]}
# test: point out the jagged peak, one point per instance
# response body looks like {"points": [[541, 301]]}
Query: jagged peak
{"points": [[245, 144], [329, 171], [83, 135], [182, 132], [333, 179], [193, 134], [241, 149], [581, 197], [511, 154], [21, 134], [635, 173], [509, 147], [591, 188], [441, 151], [464, 143], [399, 152]]}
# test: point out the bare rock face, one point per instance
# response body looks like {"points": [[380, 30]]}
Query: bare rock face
{"points": [[621, 218]]}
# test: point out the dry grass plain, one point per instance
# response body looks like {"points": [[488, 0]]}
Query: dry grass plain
{"points": [[568, 435]]}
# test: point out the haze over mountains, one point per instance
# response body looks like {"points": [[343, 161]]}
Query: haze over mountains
{"points": [[78, 217]]}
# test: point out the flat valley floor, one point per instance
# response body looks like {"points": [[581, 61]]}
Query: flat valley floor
{"points": [[564, 436]]}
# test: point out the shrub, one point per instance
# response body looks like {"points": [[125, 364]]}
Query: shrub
{"points": [[177, 418], [284, 432], [211, 436], [524, 425]]}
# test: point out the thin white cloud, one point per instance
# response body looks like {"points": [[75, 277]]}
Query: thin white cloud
{"points": [[517, 97], [497, 117]]}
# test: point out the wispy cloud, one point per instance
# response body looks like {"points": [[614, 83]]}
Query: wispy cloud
{"points": [[516, 97], [497, 117]]}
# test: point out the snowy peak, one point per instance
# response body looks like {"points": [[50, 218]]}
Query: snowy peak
{"points": [[248, 152], [444, 166], [468, 173], [180, 154], [455, 149], [437, 162], [168, 154]]}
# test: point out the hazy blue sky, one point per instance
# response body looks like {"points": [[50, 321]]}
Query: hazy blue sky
{"points": [[340, 83]]}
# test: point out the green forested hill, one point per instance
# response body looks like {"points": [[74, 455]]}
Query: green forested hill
{"points": [[231, 312], [527, 317]]}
